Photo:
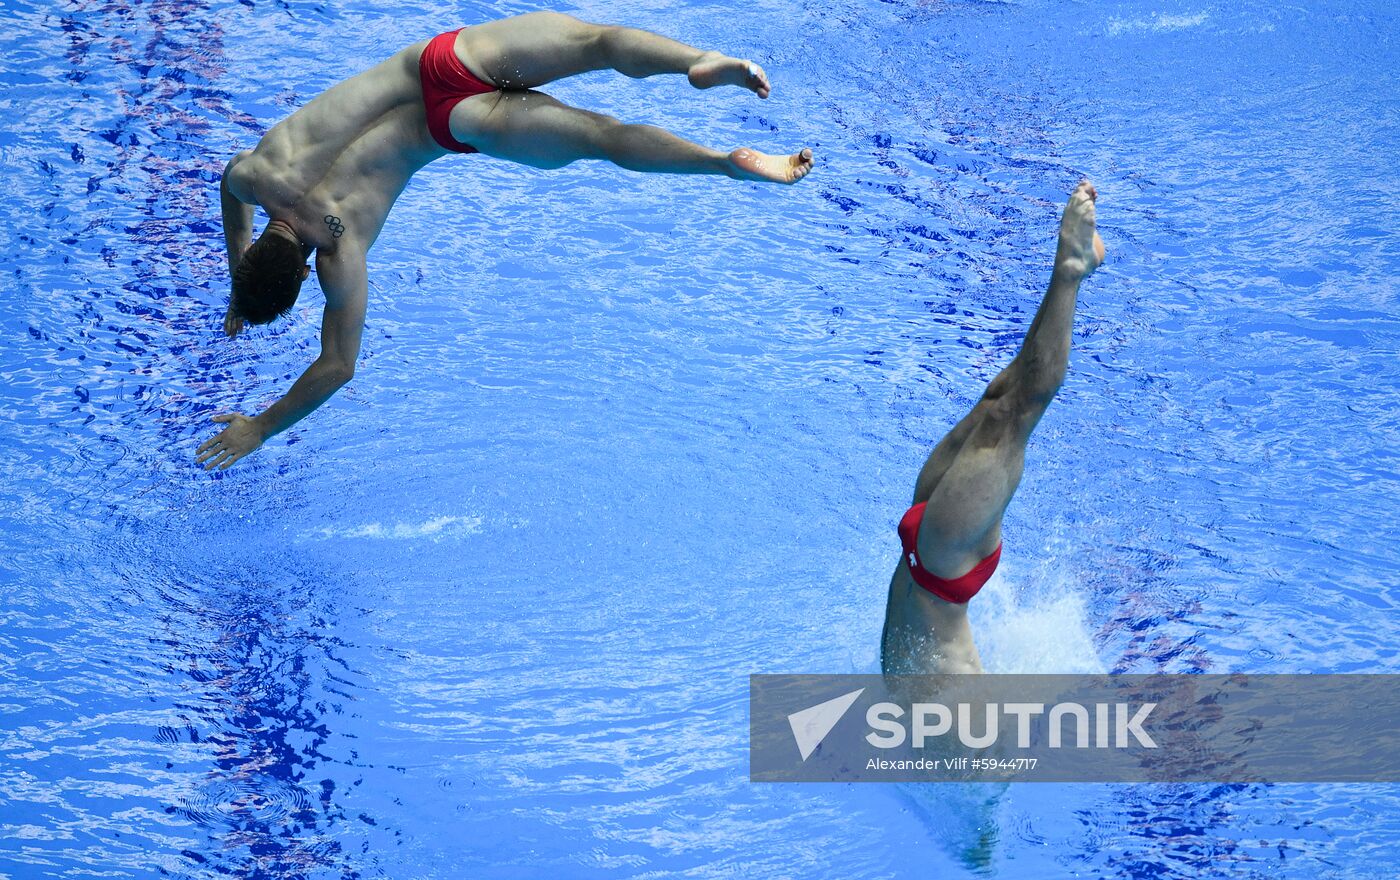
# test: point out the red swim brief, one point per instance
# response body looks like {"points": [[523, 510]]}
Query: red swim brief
{"points": [[446, 83], [956, 590]]}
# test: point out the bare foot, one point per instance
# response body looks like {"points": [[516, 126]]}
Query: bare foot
{"points": [[1081, 250], [714, 69], [746, 164]]}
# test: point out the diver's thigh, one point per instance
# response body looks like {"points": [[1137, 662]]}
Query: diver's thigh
{"points": [[527, 51], [529, 127]]}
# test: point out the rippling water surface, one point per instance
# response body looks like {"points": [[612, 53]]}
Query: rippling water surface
{"points": [[616, 442]]}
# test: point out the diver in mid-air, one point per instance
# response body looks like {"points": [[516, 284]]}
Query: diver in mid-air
{"points": [[328, 175]]}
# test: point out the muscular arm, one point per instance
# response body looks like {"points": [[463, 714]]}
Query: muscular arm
{"points": [[345, 283], [237, 214], [238, 230]]}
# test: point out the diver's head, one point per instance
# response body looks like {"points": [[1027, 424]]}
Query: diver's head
{"points": [[268, 278]]}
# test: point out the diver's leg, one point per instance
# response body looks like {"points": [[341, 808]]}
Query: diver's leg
{"points": [[1038, 370], [534, 129], [527, 51], [971, 475]]}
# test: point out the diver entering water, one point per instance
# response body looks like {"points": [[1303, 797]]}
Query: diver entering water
{"points": [[327, 176], [951, 536]]}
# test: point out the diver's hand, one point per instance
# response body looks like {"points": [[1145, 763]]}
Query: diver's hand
{"points": [[242, 436], [233, 325]]}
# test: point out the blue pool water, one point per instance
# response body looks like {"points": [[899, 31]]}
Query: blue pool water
{"points": [[617, 442]]}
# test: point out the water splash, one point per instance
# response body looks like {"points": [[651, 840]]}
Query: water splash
{"points": [[1157, 23], [1038, 625], [437, 529]]}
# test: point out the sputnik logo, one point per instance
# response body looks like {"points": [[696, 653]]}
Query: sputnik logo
{"points": [[810, 726]]}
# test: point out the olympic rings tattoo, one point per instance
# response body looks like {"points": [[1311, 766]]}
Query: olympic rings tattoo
{"points": [[337, 228]]}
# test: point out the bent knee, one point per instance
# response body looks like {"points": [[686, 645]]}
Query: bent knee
{"points": [[1026, 382], [606, 136], [607, 41], [1013, 405]]}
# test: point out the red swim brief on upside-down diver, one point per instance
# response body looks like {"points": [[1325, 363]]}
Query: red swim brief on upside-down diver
{"points": [[446, 83], [956, 590]]}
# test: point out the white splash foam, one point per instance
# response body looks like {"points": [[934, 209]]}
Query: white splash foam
{"points": [[1158, 23], [437, 528], [1043, 629]]}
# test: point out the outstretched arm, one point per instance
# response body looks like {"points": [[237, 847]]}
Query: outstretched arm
{"points": [[345, 283]]}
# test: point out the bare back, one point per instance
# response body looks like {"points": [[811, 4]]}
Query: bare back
{"points": [[347, 154]]}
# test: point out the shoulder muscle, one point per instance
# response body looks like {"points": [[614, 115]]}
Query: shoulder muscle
{"points": [[238, 177]]}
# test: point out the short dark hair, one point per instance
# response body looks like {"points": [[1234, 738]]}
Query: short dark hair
{"points": [[267, 280]]}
